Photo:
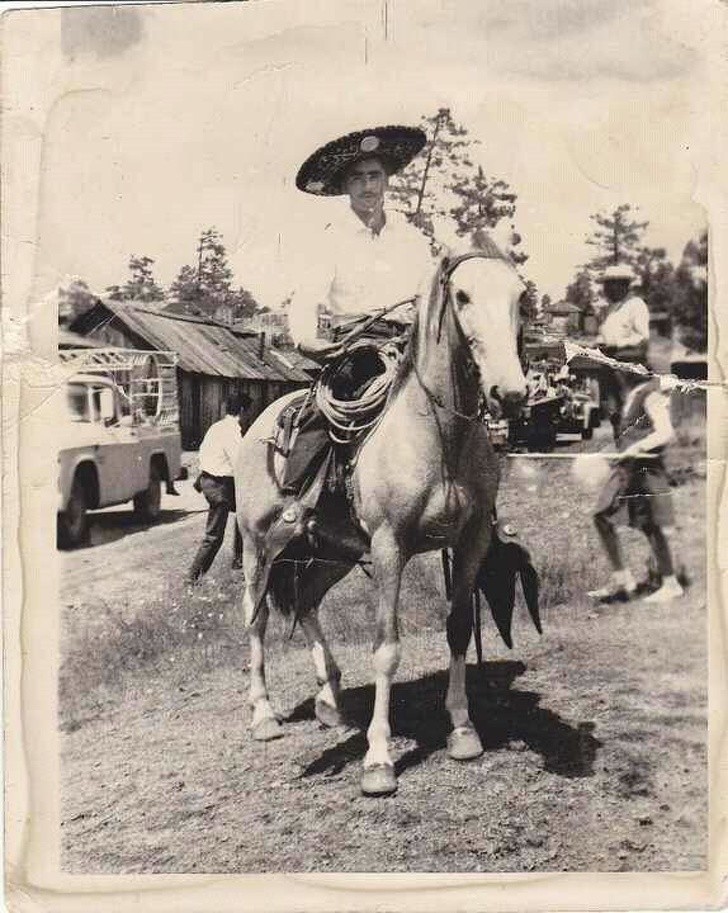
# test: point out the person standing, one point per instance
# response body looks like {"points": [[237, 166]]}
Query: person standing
{"points": [[638, 485], [216, 482], [623, 333]]}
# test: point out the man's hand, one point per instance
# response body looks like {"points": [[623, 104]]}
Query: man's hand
{"points": [[321, 350]]}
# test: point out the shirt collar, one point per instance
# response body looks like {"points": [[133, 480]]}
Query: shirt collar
{"points": [[353, 223]]}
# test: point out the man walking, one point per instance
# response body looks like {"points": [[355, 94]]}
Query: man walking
{"points": [[216, 482]]}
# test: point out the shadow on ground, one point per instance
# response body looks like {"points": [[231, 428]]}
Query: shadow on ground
{"points": [[112, 525], [502, 715]]}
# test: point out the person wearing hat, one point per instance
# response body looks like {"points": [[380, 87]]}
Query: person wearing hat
{"points": [[624, 332], [368, 257]]}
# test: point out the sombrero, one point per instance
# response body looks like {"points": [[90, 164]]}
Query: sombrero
{"points": [[322, 173], [618, 271]]}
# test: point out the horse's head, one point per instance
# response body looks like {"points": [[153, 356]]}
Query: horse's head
{"points": [[484, 292]]}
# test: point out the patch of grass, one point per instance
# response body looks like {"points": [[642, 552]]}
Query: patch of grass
{"points": [[201, 624], [202, 627]]}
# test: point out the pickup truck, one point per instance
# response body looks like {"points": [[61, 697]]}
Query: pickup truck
{"points": [[119, 435]]}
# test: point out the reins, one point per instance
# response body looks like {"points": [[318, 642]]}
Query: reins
{"points": [[447, 268]]}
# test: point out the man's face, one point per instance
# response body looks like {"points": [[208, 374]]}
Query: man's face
{"points": [[616, 289], [365, 183]]}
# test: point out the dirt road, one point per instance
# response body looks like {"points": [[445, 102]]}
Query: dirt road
{"points": [[595, 733]]}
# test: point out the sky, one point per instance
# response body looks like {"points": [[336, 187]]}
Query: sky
{"points": [[149, 124]]}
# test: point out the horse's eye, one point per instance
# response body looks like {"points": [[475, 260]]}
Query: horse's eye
{"points": [[462, 297]]}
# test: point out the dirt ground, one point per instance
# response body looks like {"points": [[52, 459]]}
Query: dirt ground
{"points": [[594, 733]]}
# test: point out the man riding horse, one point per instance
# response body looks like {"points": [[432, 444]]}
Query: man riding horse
{"points": [[423, 478], [368, 258]]}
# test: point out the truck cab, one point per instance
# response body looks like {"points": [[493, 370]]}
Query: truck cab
{"points": [[119, 435]]}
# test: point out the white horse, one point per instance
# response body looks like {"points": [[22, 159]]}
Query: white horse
{"points": [[425, 479]]}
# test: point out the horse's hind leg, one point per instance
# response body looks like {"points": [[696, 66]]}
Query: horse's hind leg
{"points": [[328, 674], [264, 723], [463, 743]]}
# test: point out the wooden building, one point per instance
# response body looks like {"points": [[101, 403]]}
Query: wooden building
{"points": [[214, 359]]}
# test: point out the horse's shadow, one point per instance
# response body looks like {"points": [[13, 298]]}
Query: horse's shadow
{"points": [[502, 715]]}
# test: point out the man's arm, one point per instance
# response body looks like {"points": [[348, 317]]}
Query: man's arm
{"points": [[657, 406], [316, 275]]}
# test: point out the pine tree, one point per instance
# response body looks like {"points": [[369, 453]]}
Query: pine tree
{"points": [[443, 184], [617, 238], [580, 292], [689, 306], [74, 299], [204, 288], [422, 189], [141, 284], [529, 302]]}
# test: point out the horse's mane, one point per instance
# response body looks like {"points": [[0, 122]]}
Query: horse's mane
{"points": [[427, 318]]}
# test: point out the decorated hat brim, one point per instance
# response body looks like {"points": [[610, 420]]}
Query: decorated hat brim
{"points": [[323, 172]]}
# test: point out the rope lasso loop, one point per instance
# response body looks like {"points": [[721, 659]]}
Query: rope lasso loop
{"points": [[348, 418]]}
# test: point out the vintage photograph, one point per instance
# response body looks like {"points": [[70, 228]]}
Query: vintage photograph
{"points": [[381, 342]]}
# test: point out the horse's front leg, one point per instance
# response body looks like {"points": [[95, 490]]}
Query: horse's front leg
{"points": [[463, 743], [328, 674], [378, 778]]}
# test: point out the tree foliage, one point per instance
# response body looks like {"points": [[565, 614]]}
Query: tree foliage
{"points": [[529, 302], [421, 189], [617, 237], [205, 288], [141, 284], [689, 306], [679, 291], [581, 292], [74, 299], [443, 184]]}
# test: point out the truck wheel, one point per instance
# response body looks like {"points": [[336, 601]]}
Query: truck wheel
{"points": [[587, 433], [148, 503], [73, 521]]}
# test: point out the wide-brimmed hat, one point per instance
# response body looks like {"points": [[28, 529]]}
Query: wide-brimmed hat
{"points": [[618, 272], [323, 172]]}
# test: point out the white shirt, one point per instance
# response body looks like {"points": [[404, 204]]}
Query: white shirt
{"points": [[219, 446], [355, 271], [628, 324]]}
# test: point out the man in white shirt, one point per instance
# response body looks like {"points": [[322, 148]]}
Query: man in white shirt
{"points": [[624, 332], [216, 482], [625, 328], [367, 258]]}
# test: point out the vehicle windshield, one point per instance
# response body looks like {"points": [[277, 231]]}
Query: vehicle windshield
{"points": [[78, 403], [91, 404]]}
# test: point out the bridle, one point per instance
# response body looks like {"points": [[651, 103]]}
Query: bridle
{"points": [[447, 268]]}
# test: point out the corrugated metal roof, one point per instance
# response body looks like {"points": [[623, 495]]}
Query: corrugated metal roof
{"points": [[205, 347], [70, 340]]}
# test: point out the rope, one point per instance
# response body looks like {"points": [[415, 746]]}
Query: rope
{"points": [[349, 418]]}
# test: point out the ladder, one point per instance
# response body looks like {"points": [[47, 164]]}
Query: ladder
{"points": [[146, 379]]}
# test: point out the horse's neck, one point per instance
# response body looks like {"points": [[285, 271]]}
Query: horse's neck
{"points": [[442, 372]]}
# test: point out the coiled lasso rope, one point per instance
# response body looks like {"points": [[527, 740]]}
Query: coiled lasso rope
{"points": [[349, 418]]}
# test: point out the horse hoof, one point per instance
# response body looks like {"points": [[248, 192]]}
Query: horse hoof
{"points": [[267, 730], [463, 744], [327, 715], [378, 780]]}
